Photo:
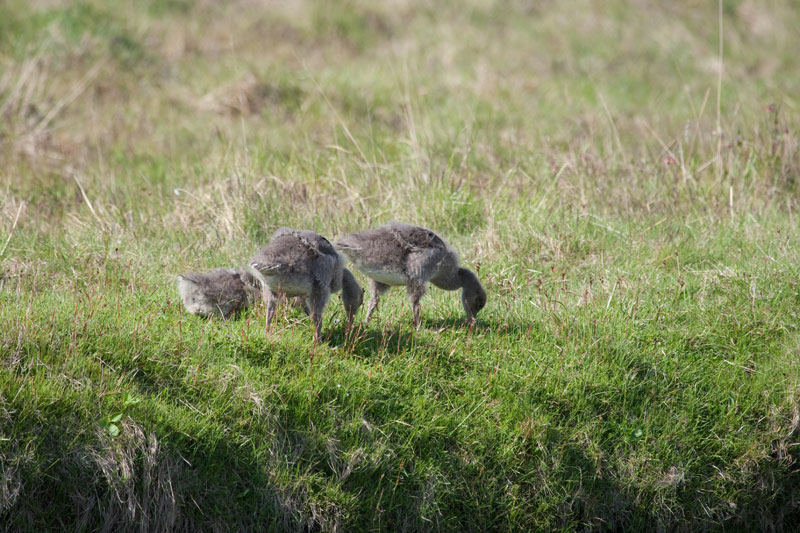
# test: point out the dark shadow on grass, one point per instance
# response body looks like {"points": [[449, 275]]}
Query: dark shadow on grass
{"points": [[488, 324], [369, 340], [155, 476], [454, 322]]}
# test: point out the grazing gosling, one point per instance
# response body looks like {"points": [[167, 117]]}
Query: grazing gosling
{"points": [[220, 292], [402, 254], [303, 263]]}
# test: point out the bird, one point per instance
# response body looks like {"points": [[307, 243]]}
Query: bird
{"points": [[221, 292], [402, 254], [305, 264]]}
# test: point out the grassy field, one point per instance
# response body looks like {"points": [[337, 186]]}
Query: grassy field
{"points": [[623, 177]]}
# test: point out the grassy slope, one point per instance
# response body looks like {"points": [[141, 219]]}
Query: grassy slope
{"points": [[636, 364]]}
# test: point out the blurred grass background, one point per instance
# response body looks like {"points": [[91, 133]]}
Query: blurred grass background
{"points": [[624, 182]]}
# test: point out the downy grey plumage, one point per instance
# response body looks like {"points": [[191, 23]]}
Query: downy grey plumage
{"points": [[401, 254], [220, 292], [303, 263]]}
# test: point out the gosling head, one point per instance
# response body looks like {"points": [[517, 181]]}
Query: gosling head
{"points": [[473, 296]]}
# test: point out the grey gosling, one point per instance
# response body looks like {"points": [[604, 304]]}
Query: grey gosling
{"points": [[303, 263], [402, 254], [220, 292]]}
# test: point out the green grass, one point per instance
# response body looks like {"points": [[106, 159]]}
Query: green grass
{"points": [[635, 367]]}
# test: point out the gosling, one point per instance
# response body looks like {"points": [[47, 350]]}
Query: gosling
{"points": [[221, 292], [401, 254], [305, 264]]}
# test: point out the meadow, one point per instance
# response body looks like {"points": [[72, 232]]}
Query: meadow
{"points": [[623, 176]]}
